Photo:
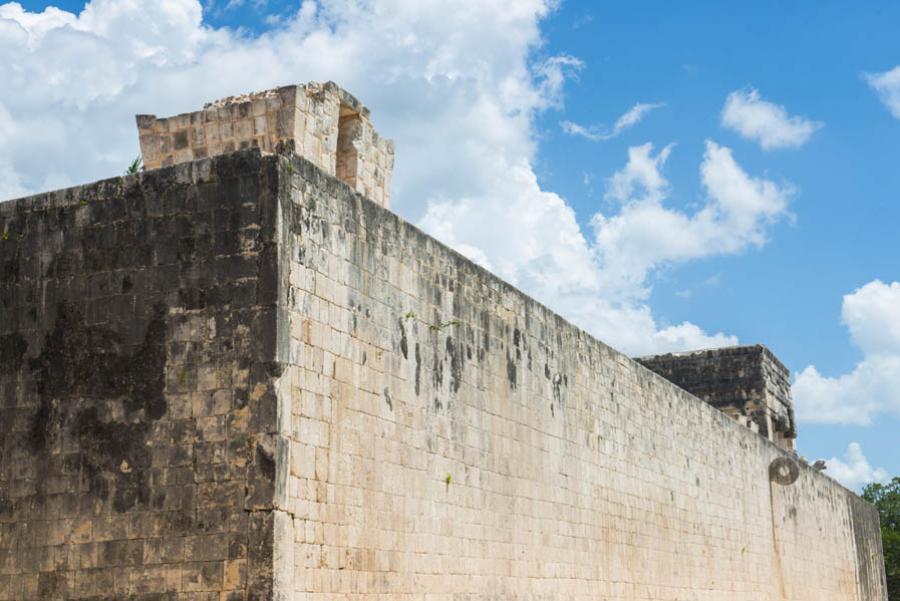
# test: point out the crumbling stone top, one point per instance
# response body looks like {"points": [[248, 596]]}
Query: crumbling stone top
{"points": [[320, 122], [748, 383], [240, 98]]}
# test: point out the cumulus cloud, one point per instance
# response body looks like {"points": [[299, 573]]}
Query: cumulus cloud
{"points": [[872, 315], [765, 122], [644, 234], [887, 85], [457, 84], [456, 81], [598, 133], [602, 282], [854, 471], [641, 176]]}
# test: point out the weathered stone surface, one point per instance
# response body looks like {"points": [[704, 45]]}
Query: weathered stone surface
{"points": [[320, 122], [237, 378], [451, 438], [134, 378], [746, 382]]}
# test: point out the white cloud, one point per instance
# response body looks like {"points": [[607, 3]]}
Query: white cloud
{"points": [[872, 314], [628, 120], [765, 122], [456, 85], [887, 85], [602, 283], [854, 470], [451, 82], [641, 173], [645, 235]]}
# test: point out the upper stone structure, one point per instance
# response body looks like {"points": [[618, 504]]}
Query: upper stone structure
{"points": [[748, 383], [321, 122]]}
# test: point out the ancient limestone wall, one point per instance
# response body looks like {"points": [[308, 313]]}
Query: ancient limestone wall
{"points": [[451, 438], [238, 378], [137, 410], [320, 122]]}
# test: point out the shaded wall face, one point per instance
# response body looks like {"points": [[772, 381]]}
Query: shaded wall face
{"points": [[447, 435], [134, 401]]}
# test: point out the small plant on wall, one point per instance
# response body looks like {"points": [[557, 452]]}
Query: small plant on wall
{"points": [[135, 166]]}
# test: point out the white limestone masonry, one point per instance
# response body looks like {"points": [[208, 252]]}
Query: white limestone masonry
{"points": [[449, 438]]}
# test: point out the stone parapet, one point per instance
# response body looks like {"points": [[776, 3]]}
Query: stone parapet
{"points": [[320, 122], [748, 383]]}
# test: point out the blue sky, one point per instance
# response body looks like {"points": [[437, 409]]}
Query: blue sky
{"points": [[807, 56], [484, 89]]}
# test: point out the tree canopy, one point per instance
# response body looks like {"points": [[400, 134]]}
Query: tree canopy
{"points": [[886, 497]]}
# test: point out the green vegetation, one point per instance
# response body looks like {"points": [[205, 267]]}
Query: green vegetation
{"points": [[441, 326], [136, 166], [886, 497], [434, 327]]}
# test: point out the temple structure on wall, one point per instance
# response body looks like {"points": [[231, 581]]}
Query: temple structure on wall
{"points": [[320, 122], [747, 383], [238, 376]]}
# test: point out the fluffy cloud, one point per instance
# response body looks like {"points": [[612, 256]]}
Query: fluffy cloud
{"points": [[629, 119], [854, 470], [602, 283], [641, 176], [456, 83], [767, 123], [74, 85], [645, 234], [872, 314], [887, 85]]}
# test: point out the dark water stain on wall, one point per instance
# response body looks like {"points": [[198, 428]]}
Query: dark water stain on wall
{"points": [[437, 372], [12, 352], [510, 370], [404, 347], [457, 361], [418, 368], [81, 375]]}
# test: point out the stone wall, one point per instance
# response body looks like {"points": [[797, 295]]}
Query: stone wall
{"points": [[137, 409], [450, 438], [320, 122], [239, 379], [746, 382]]}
